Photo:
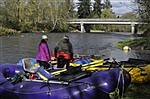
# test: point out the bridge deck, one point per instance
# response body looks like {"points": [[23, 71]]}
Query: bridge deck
{"points": [[103, 21]]}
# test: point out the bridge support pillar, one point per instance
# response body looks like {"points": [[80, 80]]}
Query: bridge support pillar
{"points": [[82, 27], [133, 29]]}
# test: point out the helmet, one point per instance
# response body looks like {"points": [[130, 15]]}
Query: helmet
{"points": [[66, 37], [44, 37]]}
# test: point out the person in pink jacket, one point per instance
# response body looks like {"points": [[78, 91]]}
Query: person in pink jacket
{"points": [[43, 56]]}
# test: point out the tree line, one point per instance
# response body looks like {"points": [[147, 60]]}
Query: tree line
{"points": [[52, 15], [144, 13], [34, 15]]}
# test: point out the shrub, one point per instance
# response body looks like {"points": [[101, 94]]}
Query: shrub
{"points": [[26, 27], [6, 31]]}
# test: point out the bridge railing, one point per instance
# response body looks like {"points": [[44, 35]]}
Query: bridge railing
{"points": [[102, 20]]}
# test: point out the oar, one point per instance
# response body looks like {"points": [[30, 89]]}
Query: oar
{"points": [[84, 66], [49, 81], [96, 63], [58, 72]]}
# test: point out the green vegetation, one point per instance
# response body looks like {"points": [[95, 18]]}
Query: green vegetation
{"points": [[52, 15], [97, 8], [144, 12], [34, 15], [84, 9], [102, 10], [138, 91], [140, 43], [6, 31]]}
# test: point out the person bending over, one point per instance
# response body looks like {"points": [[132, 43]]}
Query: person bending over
{"points": [[63, 52]]}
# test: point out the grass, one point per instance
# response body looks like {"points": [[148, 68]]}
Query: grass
{"points": [[138, 91], [97, 31], [143, 43], [6, 31]]}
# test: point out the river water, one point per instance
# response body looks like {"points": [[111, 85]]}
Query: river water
{"points": [[14, 48]]}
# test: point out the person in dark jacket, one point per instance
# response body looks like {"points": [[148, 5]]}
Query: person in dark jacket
{"points": [[43, 55], [63, 52]]}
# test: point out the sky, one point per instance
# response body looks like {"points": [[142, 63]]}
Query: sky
{"points": [[121, 6]]}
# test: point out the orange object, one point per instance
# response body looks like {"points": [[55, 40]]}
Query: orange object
{"points": [[65, 55], [32, 76]]}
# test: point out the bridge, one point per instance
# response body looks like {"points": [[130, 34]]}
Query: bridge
{"points": [[131, 22]]}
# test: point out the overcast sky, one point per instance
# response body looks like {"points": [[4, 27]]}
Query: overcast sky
{"points": [[121, 6]]}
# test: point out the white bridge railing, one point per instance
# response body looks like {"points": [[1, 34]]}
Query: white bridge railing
{"points": [[104, 20], [131, 22]]}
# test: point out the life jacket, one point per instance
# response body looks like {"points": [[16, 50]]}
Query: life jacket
{"points": [[65, 55]]}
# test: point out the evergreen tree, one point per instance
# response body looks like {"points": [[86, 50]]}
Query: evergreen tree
{"points": [[84, 8], [97, 7], [84, 11], [71, 7], [107, 4]]}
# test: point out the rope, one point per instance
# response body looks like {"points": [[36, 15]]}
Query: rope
{"points": [[119, 79], [123, 85]]}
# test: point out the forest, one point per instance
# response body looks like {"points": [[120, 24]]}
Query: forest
{"points": [[23, 16]]}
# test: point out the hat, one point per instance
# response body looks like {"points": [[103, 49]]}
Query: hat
{"points": [[44, 37]]}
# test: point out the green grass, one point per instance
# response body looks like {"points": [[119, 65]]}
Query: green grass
{"points": [[136, 43], [97, 31], [6, 31], [138, 91]]}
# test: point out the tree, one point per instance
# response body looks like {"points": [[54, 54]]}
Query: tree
{"points": [[107, 4], [59, 14], [144, 12], [84, 11], [34, 15], [33, 11], [72, 12], [11, 13], [84, 8], [106, 14], [129, 15], [97, 7]]}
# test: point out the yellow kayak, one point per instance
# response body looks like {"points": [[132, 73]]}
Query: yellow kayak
{"points": [[138, 75]]}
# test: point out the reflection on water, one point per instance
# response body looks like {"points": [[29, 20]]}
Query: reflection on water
{"points": [[14, 48]]}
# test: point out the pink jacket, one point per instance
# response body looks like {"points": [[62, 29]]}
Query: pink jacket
{"points": [[43, 52]]}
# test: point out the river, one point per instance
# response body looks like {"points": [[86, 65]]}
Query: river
{"points": [[14, 48]]}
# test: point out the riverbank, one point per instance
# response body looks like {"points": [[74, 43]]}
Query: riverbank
{"points": [[137, 91], [142, 43], [8, 32]]}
